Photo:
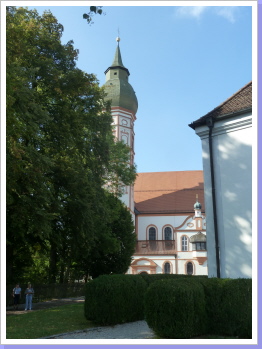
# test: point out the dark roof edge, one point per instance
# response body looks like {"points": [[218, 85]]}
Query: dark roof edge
{"points": [[202, 122], [118, 67]]}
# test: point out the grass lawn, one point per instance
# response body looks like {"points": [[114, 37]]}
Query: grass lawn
{"points": [[47, 322]]}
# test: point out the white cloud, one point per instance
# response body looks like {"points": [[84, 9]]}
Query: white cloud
{"points": [[228, 12], [197, 12], [190, 11]]}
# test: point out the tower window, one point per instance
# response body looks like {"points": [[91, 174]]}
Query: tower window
{"points": [[115, 73]]}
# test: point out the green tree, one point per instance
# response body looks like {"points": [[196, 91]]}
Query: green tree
{"points": [[116, 241], [60, 150]]}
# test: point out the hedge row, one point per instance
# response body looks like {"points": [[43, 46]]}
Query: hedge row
{"points": [[114, 299], [150, 278], [174, 306], [190, 308]]}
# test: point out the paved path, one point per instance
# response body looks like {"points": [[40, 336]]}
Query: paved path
{"points": [[129, 330]]}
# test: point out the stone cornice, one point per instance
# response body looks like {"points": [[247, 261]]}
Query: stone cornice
{"points": [[225, 127]]}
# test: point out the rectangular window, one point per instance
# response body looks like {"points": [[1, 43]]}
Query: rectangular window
{"points": [[199, 246], [184, 243]]}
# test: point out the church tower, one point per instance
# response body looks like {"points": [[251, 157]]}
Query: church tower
{"points": [[123, 108]]}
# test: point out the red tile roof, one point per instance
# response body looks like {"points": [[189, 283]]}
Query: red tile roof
{"points": [[169, 192], [239, 102]]}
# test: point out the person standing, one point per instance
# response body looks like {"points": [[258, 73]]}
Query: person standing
{"points": [[16, 294], [28, 297]]}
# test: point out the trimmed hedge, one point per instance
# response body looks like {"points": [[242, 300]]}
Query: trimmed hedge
{"points": [[213, 297], [150, 278], [115, 299], [229, 306], [236, 308], [176, 308]]}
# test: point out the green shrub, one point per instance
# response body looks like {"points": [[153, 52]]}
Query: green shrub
{"points": [[114, 299], [236, 308], [176, 308], [213, 299], [150, 278]]}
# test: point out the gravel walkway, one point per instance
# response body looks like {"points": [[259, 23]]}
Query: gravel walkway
{"points": [[130, 330]]}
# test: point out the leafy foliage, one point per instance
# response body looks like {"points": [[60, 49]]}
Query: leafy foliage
{"points": [[60, 153], [118, 231], [93, 10]]}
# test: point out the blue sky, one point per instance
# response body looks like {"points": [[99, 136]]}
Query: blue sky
{"points": [[183, 62]]}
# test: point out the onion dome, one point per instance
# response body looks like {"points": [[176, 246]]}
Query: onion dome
{"points": [[117, 87], [197, 205]]}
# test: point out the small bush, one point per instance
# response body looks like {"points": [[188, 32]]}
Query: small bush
{"points": [[114, 299], [176, 308], [213, 297], [236, 308]]}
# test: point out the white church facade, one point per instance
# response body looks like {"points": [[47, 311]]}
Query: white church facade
{"points": [[167, 207], [227, 137], [170, 224]]}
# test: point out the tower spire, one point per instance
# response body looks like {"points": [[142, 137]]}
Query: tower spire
{"points": [[117, 62]]}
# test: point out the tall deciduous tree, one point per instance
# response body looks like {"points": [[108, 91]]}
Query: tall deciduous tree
{"points": [[60, 150]]}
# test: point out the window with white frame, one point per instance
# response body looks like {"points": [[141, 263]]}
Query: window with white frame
{"points": [[184, 243]]}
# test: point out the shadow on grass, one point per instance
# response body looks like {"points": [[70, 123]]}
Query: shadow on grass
{"points": [[47, 322]]}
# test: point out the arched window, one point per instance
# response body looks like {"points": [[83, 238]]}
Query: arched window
{"points": [[168, 233], [152, 233], [167, 268], [184, 243], [189, 268]]}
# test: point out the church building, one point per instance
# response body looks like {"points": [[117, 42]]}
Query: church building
{"points": [[227, 138], [167, 207]]}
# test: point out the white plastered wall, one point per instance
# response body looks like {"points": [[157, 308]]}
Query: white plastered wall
{"points": [[232, 145]]}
